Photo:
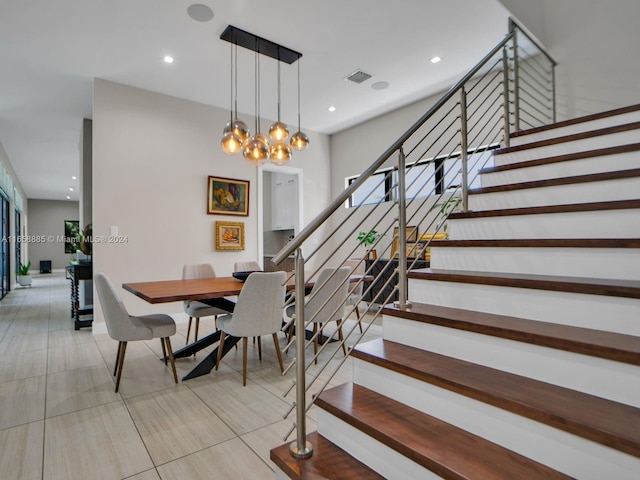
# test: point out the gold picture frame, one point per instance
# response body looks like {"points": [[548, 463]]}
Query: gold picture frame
{"points": [[426, 237], [227, 196], [412, 237], [229, 236]]}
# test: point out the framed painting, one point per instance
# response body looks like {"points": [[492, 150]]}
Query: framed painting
{"points": [[228, 196], [229, 236]]}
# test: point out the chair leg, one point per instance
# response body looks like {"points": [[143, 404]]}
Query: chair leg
{"points": [[259, 348], [120, 365], [315, 343], [164, 352], [167, 340], [245, 345], [188, 331], [115, 369], [220, 346], [341, 337], [359, 319], [278, 352]]}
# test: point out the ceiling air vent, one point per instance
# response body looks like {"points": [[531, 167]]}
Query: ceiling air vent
{"points": [[358, 76]]}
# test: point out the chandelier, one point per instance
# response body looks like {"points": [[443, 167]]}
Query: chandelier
{"points": [[258, 148]]}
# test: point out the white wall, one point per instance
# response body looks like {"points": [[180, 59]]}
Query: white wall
{"points": [[152, 155], [46, 219], [595, 46]]}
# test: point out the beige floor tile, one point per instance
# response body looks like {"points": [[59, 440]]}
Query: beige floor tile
{"points": [[143, 375], [148, 475], [65, 338], [242, 408], [261, 441], [100, 443], [24, 343], [109, 348], [21, 452], [175, 423], [80, 356], [231, 460], [22, 401], [23, 365], [77, 389]]}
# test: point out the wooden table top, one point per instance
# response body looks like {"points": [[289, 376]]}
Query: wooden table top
{"points": [[198, 289]]}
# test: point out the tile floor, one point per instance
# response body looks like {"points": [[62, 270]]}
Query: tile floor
{"points": [[61, 420]]}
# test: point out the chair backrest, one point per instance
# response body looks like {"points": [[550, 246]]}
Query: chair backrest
{"points": [[198, 270], [119, 324], [247, 267], [331, 287], [260, 305]]}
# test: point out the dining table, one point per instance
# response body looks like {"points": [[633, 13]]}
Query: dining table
{"points": [[167, 291]]}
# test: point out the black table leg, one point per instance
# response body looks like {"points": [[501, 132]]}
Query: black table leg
{"points": [[209, 362], [196, 346]]}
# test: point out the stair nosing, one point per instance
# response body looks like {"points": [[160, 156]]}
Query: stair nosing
{"points": [[559, 181], [465, 465], [578, 120], [550, 209], [616, 243], [601, 152], [474, 384], [570, 138], [569, 338], [578, 285]]}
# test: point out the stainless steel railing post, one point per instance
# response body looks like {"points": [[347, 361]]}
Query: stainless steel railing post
{"points": [[516, 76], [505, 96], [553, 90], [300, 448], [464, 147], [403, 285]]}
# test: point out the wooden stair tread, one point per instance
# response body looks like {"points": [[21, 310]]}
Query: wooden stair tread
{"points": [[588, 286], [542, 243], [609, 423], [578, 120], [568, 208], [554, 182], [570, 138], [327, 462], [586, 341], [600, 152], [440, 447]]}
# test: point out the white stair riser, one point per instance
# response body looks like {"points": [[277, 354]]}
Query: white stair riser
{"points": [[562, 451], [377, 456], [564, 148], [591, 224], [603, 191], [607, 163], [613, 121], [599, 312], [596, 376], [613, 263]]}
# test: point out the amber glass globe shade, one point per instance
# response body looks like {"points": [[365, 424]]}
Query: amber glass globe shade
{"points": [[231, 143], [278, 131], [255, 151], [299, 140], [280, 153]]}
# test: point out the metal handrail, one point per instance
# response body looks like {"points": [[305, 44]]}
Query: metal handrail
{"points": [[468, 138]]}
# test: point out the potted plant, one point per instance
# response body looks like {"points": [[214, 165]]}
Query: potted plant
{"points": [[367, 239], [24, 279]]}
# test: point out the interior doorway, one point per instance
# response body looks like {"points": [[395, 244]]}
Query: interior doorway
{"points": [[280, 212]]}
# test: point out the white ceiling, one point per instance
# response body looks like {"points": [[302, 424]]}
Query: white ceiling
{"points": [[50, 51]]}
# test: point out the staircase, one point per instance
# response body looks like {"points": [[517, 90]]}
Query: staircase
{"points": [[520, 355]]}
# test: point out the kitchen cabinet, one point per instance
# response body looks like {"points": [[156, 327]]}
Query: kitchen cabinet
{"points": [[284, 201]]}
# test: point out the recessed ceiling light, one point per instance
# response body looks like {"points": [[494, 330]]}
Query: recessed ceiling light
{"points": [[168, 59], [380, 85], [74, 177], [435, 59], [68, 197], [332, 108], [200, 13], [71, 189]]}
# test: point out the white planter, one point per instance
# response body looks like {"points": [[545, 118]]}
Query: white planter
{"points": [[24, 280]]}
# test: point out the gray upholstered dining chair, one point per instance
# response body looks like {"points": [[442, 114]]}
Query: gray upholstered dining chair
{"points": [[258, 312], [354, 296], [247, 267], [194, 308], [326, 303], [124, 328]]}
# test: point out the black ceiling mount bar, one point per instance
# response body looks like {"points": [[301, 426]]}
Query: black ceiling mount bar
{"points": [[258, 44]]}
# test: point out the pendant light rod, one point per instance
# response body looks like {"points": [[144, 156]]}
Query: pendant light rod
{"points": [[260, 45], [236, 79]]}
